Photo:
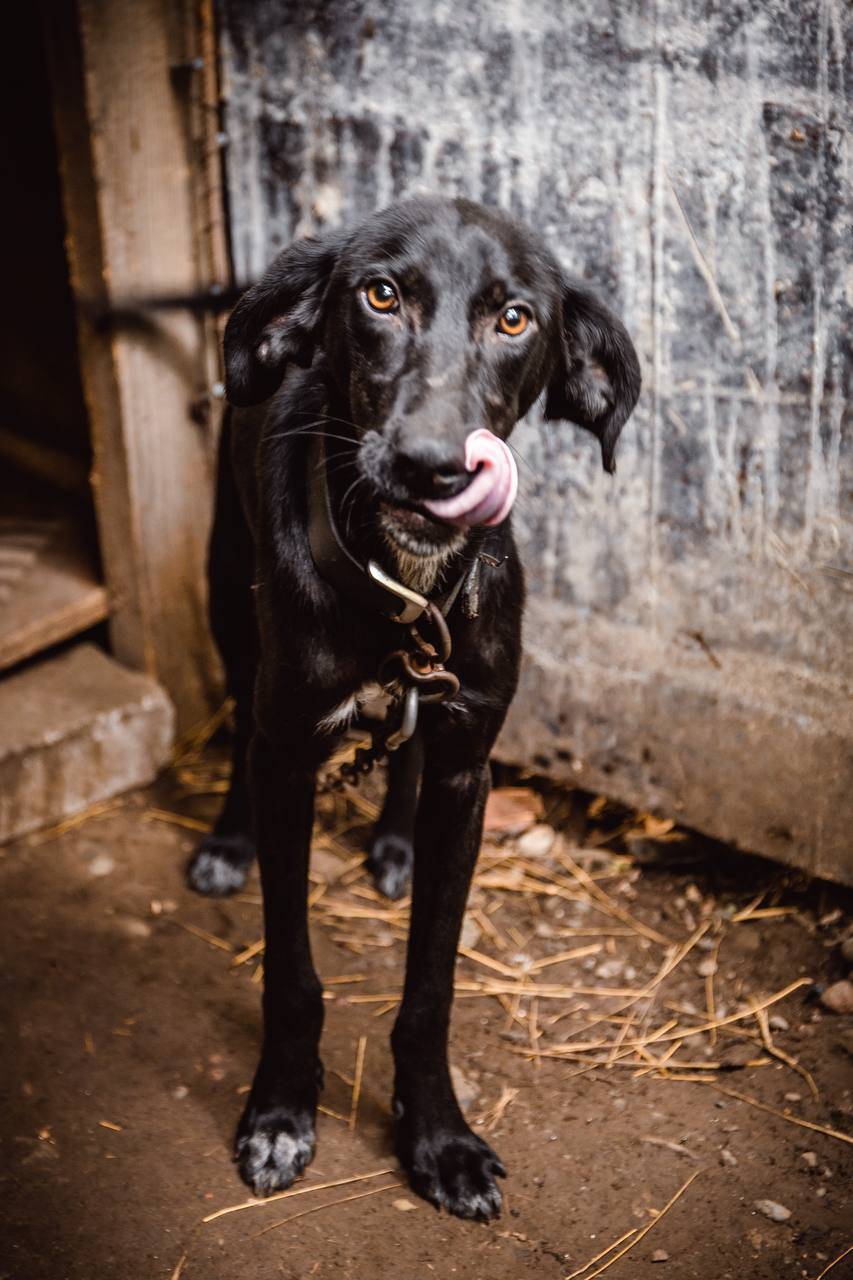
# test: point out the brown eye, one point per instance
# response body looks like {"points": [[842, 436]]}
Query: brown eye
{"points": [[514, 321], [382, 296]]}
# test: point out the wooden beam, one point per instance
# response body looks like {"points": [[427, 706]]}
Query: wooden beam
{"points": [[125, 85]]}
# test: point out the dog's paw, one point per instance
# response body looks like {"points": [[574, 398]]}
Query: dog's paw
{"points": [[220, 865], [272, 1148], [455, 1170], [390, 864]]}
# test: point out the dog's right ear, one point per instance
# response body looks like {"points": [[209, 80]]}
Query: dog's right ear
{"points": [[278, 320]]}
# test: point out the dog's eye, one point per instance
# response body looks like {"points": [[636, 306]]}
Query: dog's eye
{"points": [[382, 296], [513, 321]]}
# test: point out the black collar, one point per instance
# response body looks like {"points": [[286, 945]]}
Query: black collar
{"points": [[360, 583]]}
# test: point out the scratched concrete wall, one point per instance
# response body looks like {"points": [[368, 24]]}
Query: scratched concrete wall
{"points": [[689, 634]]}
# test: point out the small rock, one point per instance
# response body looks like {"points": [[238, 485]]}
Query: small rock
{"points": [[404, 1205], [820, 1192], [102, 865], [793, 1097], [778, 1023], [839, 997], [511, 810], [327, 864], [136, 928], [609, 969], [809, 1159], [706, 968], [180, 1092], [467, 1090], [536, 842], [471, 932], [726, 1157], [660, 1255], [773, 1210], [737, 1057]]}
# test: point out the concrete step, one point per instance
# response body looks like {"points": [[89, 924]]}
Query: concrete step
{"points": [[76, 729]]}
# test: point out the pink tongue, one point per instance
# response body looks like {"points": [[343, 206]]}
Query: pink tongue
{"points": [[490, 495]]}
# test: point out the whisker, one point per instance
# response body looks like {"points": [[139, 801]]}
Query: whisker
{"points": [[522, 458], [309, 431]]}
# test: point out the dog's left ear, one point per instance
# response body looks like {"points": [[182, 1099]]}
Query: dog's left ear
{"points": [[596, 380], [278, 320]]}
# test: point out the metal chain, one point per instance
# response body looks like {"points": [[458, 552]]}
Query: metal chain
{"points": [[419, 668]]}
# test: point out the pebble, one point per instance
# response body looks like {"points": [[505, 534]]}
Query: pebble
{"points": [[809, 1159], [404, 1205], [793, 1097], [726, 1157], [737, 1056], [102, 865], [180, 1092], [467, 1090], [839, 997], [471, 933], [136, 928], [536, 842], [326, 864], [773, 1210], [706, 968], [660, 1255], [778, 1023]]}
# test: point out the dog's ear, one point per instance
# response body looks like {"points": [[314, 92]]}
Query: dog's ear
{"points": [[278, 320], [596, 380]]}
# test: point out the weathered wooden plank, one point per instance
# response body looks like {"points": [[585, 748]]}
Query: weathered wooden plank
{"points": [[49, 587], [123, 88]]}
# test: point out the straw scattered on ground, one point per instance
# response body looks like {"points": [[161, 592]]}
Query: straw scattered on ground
{"points": [[552, 941]]}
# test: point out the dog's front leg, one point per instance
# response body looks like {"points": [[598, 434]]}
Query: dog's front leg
{"points": [[446, 1162], [275, 1138]]}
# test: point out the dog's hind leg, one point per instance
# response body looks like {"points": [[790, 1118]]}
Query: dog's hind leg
{"points": [[221, 863], [222, 860], [391, 854]]}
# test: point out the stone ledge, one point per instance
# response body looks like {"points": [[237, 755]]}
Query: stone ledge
{"points": [[755, 752], [74, 730]]}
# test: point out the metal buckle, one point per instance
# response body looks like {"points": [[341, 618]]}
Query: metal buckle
{"points": [[414, 603], [408, 722]]}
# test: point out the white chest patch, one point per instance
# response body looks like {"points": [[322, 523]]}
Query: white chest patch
{"points": [[342, 716]]}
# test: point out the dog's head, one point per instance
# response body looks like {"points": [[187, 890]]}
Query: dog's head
{"points": [[436, 318]]}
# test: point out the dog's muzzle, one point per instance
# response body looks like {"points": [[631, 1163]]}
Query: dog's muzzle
{"points": [[489, 495]]}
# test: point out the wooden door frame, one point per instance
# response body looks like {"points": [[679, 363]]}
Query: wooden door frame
{"points": [[136, 101]]}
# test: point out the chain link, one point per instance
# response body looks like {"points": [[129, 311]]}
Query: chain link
{"points": [[421, 667]]}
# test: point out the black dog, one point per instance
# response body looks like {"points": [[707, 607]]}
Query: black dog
{"points": [[434, 318]]}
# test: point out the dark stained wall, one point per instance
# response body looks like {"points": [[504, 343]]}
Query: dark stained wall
{"points": [[689, 640]]}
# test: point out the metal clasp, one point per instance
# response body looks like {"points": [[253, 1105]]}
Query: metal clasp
{"points": [[414, 603], [408, 722]]}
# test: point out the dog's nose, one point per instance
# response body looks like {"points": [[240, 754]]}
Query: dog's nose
{"points": [[429, 467]]}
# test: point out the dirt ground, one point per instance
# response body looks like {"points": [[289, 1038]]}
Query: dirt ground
{"points": [[131, 1033]]}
